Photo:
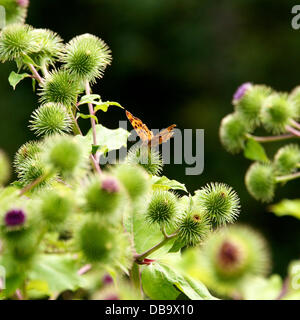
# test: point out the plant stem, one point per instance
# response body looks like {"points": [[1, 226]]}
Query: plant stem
{"points": [[295, 124], [84, 269], [271, 138], [95, 157], [33, 184], [142, 256], [295, 132], [288, 177], [91, 110], [36, 75]]}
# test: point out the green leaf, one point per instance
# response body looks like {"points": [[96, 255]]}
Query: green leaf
{"points": [[87, 116], [58, 271], [287, 208], [107, 139], [14, 78], [90, 98], [160, 282], [27, 60], [255, 151], [259, 288], [166, 184], [105, 105]]}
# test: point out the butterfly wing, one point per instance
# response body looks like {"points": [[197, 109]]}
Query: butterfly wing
{"points": [[163, 136], [141, 129]]}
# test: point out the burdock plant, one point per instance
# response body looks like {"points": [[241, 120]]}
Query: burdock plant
{"points": [[260, 107], [67, 215]]}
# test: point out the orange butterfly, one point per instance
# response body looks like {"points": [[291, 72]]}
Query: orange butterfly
{"points": [[146, 135]]}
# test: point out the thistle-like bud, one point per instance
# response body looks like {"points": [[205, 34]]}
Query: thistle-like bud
{"points": [[162, 208], [60, 87], [86, 57], [193, 227], [287, 159], [49, 44], [103, 196], [15, 10], [260, 181], [4, 168], [241, 91], [219, 202], [250, 104], [16, 41], [232, 254], [97, 241], [277, 113], [149, 159], [50, 118], [28, 151], [15, 218], [233, 132], [55, 207], [64, 154], [134, 179]]}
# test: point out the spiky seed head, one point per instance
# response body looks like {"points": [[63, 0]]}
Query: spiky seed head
{"points": [[22, 244], [250, 105], [27, 151], [219, 202], [64, 154], [50, 118], [134, 179], [233, 132], [103, 196], [149, 159], [162, 208], [56, 206], [232, 254], [86, 57], [4, 168], [277, 113], [287, 159], [15, 10], [97, 241], [16, 41], [294, 98], [60, 87], [260, 181], [50, 45], [31, 170], [193, 227]]}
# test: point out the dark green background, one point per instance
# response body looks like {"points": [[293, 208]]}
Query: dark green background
{"points": [[179, 62]]}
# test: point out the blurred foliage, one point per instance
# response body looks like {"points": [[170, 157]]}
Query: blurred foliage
{"points": [[179, 61]]}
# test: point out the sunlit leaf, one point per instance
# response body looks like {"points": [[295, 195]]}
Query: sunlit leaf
{"points": [[160, 282], [14, 78], [255, 151], [164, 183], [287, 207]]}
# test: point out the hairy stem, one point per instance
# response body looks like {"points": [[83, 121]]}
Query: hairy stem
{"points": [[295, 132], [140, 257], [271, 138], [92, 113], [33, 184], [35, 74], [288, 177], [295, 124], [95, 158]]}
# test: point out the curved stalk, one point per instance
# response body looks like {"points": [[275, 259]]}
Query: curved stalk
{"points": [[271, 138], [288, 177]]}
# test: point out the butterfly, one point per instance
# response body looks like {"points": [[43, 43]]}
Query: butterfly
{"points": [[147, 135]]}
